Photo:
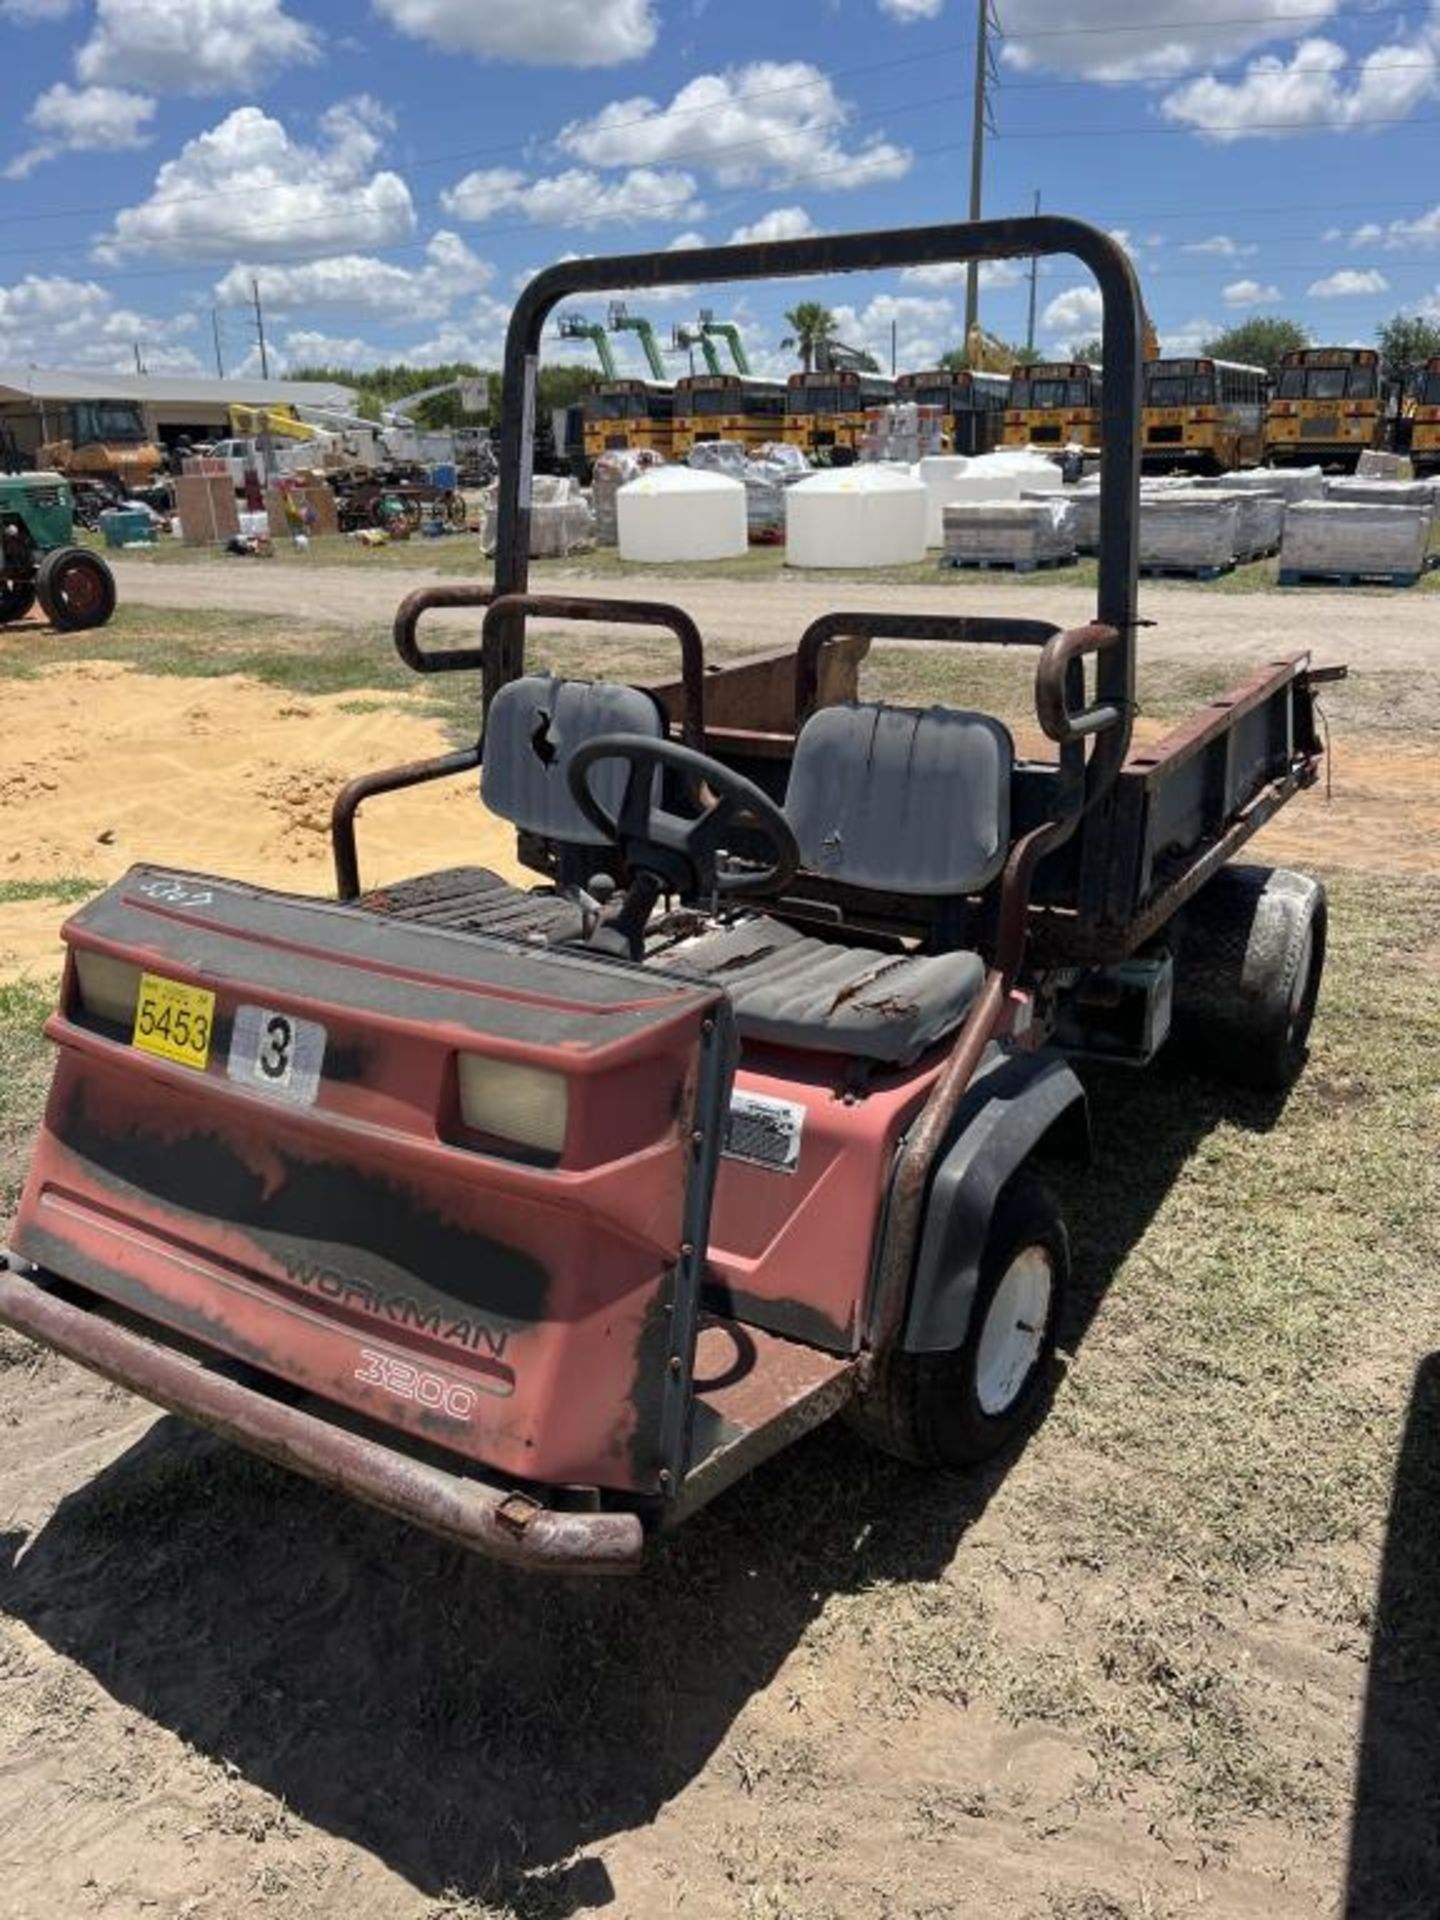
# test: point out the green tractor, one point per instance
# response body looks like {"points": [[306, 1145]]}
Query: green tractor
{"points": [[38, 560]]}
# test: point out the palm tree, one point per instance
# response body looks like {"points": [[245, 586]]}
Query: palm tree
{"points": [[809, 324]]}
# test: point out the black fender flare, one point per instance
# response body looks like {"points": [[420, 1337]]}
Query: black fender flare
{"points": [[1015, 1102]]}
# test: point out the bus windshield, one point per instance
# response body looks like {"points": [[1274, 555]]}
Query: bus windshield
{"points": [[712, 400], [617, 406], [1050, 393], [1180, 390], [1430, 390], [820, 400], [1327, 383]]}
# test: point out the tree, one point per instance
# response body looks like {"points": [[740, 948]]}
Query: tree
{"points": [[1406, 342], [809, 325], [1089, 351], [1260, 342]]}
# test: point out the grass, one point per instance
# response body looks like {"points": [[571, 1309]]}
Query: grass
{"points": [[67, 890]]}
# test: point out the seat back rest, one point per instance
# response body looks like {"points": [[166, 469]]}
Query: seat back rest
{"points": [[533, 727], [897, 800]]}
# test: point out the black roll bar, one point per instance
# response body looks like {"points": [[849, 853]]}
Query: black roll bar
{"points": [[1121, 337]]}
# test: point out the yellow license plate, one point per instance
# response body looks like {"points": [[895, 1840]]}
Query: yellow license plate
{"points": [[174, 1021]]}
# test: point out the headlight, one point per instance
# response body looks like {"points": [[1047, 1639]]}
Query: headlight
{"points": [[107, 988], [529, 1105]]}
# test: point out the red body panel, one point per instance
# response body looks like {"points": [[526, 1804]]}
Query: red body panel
{"points": [[516, 1314], [793, 1251]]}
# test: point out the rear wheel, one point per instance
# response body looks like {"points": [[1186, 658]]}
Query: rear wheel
{"points": [[957, 1408], [16, 597], [1252, 953], [75, 589]]}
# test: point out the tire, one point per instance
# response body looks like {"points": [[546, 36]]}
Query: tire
{"points": [[456, 511], [16, 598], [75, 589], [957, 1408], [1247, 977]]}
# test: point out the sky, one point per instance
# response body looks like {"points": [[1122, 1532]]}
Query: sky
{"points": [[389, 172]]}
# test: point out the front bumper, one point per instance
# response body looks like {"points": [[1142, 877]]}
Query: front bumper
{"points": [[507, 1525]]}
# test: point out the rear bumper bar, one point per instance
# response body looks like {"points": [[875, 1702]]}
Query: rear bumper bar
{"points": [[508, 1526]]}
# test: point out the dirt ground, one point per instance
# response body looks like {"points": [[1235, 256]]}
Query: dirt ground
{"points": [[1078, 1687]]}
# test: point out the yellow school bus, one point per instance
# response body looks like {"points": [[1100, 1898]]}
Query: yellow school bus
{"points": [[1425, 420], [629, 414], [973, 404], [1055, 403], [825, 412], [727, 406], [1207, 416], [1327, 408]]}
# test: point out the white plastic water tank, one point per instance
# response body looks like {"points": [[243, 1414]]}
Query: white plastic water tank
{"points": [[938, 473], [1004, 476], [863, 516], [681, 513]]}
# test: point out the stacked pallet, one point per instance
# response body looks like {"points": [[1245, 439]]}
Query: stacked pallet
{"points": [[1385, 493], [1291, 483], [1023, 534], [1187, 532], [1346, 541], [612, 471], [1259, 520]]}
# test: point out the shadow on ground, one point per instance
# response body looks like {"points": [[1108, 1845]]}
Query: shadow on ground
{"points": [[470, 1727], [1394, 1865]]}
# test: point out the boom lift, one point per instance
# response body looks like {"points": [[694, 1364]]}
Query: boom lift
{"points": [[538, 1217], [574, 326], [727, 331], [623, 321]]}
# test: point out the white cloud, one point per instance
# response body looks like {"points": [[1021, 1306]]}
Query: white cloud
{"points": [[84, 120], [1347, 282], [780, 223], [1421, 232], [907, 10], [1074, 312], [52, 320], [553, 33], [360, 283], [308, 349], [1316, 88], [1221, 245], [1170, 37], [575, 198], [246, 187], [952, 273], [924, 327], [772, 122], [1185, 342], [478, 335], [193, 46], [1249, 293]]}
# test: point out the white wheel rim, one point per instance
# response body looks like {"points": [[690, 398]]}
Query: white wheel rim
{"points": [[1014, 1331]]}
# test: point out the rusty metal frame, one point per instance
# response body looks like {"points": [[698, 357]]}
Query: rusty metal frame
{"points": [[508, 1524], [411, 773]]}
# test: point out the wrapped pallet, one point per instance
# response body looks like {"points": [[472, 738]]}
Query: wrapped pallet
{"points": [[561, 521], [1383, 493], [1188, 532], [1009, 533], [612, 471], [1326, 539], [1259, 520], [1291, 483], [1377, 465]]}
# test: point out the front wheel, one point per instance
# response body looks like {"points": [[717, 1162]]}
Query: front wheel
{"points": [[957, 1408], [75, 589]]}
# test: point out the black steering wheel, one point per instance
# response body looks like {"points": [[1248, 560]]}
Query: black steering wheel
{"points": [[682, 855]]}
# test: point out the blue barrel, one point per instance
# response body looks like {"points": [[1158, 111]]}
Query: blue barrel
{"points": [[442, 474]]}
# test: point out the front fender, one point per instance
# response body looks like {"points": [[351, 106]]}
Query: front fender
{"points": [[1011, 1107]]}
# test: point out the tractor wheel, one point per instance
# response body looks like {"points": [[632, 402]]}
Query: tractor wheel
{"points": [[958, 1408], [1247, 976], [16, 597], [455, 511], [75, 589]]}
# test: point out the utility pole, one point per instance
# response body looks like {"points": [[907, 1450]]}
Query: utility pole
{"points": [[1034, 270], [139, 363], [980, 125], [260, 331], [215, 331]]}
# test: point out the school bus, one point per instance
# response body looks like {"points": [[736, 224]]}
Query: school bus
{"points": [[633, 414], [1327, 408], [1054, 403], [1205, 415], [825, 412], [973, 404], [1425, 420], [727, 406]]}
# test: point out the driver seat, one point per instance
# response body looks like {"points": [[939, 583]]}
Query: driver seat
{"points": [[532, 729], [893, 800]]}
